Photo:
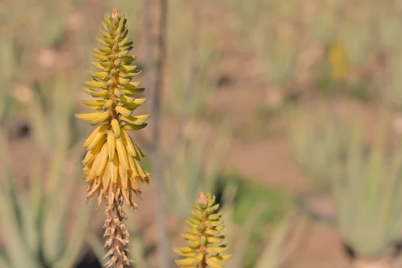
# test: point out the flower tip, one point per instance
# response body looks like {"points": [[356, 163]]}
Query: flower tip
{"points": [[203, 198], [115, 13]]}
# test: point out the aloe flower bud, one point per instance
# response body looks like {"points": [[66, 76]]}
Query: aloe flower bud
{"points": [[112, 163], [205, 246], [112, 160]]}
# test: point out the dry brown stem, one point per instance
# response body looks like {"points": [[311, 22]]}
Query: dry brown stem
{"points": [[116, 231]]}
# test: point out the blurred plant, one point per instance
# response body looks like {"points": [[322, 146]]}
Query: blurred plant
{"points": [[355, 32], [278, 49], [14, 59], [275, 249], [15, 15], [389, 25], [240, 236], [34, 221], [112, 161], [203, 84], [51, 111], [205, 246], [322, 25], [279, 247], [393, 91], [133, 9], [287, 10], [338, 60], [192, 166], [50, 22], [270, 28], [367, 192], [193, 78], [247, 15], [317, 141]]}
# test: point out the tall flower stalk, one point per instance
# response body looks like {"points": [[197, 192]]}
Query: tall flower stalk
{"points": [[112, 163], [205, 246]]}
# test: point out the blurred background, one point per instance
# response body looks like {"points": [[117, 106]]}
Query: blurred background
{"points": [[290, 112]]}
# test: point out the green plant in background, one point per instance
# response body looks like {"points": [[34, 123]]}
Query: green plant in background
{"points": [[389, 24], [269, 28], [203, 85], [205, 246], [51, 111], [111, 165], [14, 59], [251, 248], [133, 9], [322, 26], [247, 15], [238, 236], [278, 248], [187, 86], [16, 16], [355, 33], [194, 165], [317, 142], [279, 50], [50, 23], [287, 10], [367, 192], [36, 223], [393, 91]]}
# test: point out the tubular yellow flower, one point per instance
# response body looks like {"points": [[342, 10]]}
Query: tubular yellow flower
{"points": [[111, 165], [112, 160], [205, 246], [338, 60]]}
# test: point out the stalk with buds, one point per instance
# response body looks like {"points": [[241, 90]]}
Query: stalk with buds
{"points": [[205, 246], [112, 163]]}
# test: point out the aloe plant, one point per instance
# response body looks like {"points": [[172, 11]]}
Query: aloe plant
{"points": [[247, 14], [316, 141], [193, 167], [389, 25], [14, 57], [205, 244], [202, 85], [322, 26], [189, 85], [50, 23], [276, 248], [238, 236], [14, 14], [279, 54], [355, 33], [367, 192], [34, 222], [51, 111], [393, 91]]}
